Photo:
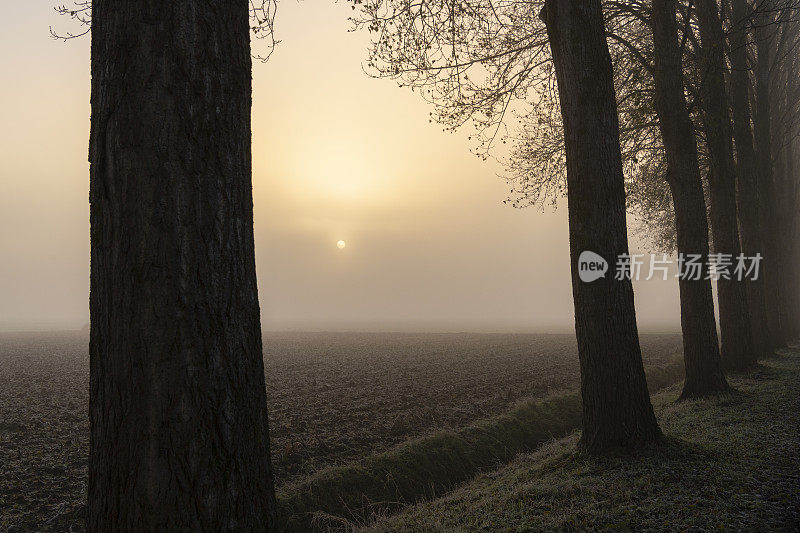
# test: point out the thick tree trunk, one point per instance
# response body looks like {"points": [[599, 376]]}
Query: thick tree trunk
{"points": [[748, 191], [734, 315], [178, 411], [762, 34], [616, 404], [701, 349]]}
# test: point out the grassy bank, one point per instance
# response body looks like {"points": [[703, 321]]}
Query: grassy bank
{"points": [[728, 463], [429, 466]]}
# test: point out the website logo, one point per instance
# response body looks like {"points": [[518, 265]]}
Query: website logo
{"points": [[591, 267]]}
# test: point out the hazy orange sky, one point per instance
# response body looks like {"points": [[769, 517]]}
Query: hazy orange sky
{"points": [[337, 155]]}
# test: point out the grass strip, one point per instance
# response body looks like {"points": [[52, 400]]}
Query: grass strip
{"points": [[428, 466], [729, 463]]}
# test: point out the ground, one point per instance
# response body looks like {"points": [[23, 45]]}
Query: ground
{"points": [[378, 399], [728, 463], [333, 398], [337, 397]]}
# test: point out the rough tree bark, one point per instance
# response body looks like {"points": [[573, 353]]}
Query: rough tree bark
{"points": [[747, 183], [616, 404], [700, 346], [179, 437], [736, 337]]}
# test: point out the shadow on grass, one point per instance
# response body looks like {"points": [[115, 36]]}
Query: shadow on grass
{"points": [[668, 450]]}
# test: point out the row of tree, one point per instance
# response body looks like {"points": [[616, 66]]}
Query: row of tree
{"points": [[691, 106], [619, 104]]}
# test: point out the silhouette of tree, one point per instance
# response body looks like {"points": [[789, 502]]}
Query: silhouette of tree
{"points": [[701, 350], [747, 184], [179, 430], [736, 334], [616, 404], [490, 62]]}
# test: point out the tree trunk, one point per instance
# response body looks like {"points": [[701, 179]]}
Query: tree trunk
{"points": [[179, 437], [780, 216], [762, 34], [700, 346], [736, 337], [793, 240], [795, 231], [616, 404], [748, 191], [783, 96]]}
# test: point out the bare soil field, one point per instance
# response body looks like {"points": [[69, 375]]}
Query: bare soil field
{"points": [[333, 397]]}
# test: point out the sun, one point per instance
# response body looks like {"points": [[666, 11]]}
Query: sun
{"points": [[340, 244]]}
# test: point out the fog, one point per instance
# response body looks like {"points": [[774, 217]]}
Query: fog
{"points": [[337, 156]]}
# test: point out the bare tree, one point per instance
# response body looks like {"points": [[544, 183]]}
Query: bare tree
{"points": [[701, 350], [736, 334], [780, 32], [616, 404], [764, 37], [750, 219], [490, 62]]}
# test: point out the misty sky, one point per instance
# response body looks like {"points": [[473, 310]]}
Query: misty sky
{"points": [[336, 156]]}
